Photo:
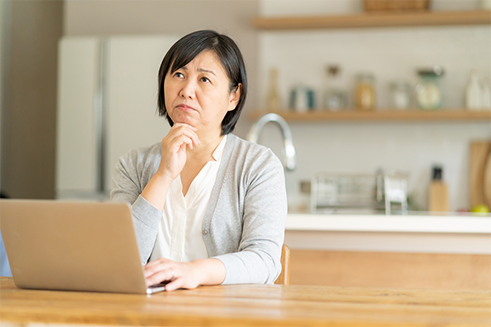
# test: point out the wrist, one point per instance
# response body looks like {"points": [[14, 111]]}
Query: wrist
{"points": [[209, 271], [155, 191], [162, 179]]}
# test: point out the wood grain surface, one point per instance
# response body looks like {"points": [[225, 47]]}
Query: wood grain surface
{"points": [[391, 269], [250, 305], [479, 152], [387, 19], [487, 181], [382, 115]]}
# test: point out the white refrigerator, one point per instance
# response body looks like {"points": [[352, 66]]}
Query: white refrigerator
{"points": [[107, 105]]}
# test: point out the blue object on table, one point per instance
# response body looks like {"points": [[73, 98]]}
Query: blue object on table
{"points": [[4, 261]]}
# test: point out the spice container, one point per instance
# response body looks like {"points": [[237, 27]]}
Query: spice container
{"points": [[400, 94], [365, 97], [428, 91], [302, 98], [334, 97]]}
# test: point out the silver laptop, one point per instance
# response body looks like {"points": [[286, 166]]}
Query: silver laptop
{"points": [[75, 246]]}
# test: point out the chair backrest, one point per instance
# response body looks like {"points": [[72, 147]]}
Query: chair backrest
{"points": [[284, 277]]}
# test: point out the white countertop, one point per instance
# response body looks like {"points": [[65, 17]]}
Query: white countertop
{"points": [[420, 223]]}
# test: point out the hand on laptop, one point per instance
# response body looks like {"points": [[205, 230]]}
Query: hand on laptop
{"points": [[184, 274]]}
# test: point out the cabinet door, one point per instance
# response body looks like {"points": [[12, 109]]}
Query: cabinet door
{"points": [[132, 65], [76, 148]]}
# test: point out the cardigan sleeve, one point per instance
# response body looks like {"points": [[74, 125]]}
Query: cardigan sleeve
{"points": [[127, 188], [263, 225]]}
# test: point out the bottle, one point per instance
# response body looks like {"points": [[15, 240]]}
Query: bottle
{"points": [[334, 98], [486, 94], [273, 100], [438, 201], [473, 93]]}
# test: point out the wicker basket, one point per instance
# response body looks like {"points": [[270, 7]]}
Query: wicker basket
{"points": [[396, 5]]}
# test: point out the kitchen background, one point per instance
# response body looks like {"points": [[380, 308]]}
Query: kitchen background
{"points": [[390, 54], [29, 84]]}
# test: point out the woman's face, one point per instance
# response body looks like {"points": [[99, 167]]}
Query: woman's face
{"points": [[199, 94]]}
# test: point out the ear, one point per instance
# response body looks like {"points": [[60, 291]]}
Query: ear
{"points": [[234, 97]]}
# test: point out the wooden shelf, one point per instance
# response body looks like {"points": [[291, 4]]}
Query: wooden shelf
{"points": [[382, 115], [421, 18]]}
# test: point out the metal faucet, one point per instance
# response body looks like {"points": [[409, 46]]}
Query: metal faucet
{"points": [[256, 129]]}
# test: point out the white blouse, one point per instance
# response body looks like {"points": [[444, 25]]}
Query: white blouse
{"points": [[179, 236]]}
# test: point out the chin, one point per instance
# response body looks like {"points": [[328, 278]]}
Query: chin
{"points": [[183, 120]]}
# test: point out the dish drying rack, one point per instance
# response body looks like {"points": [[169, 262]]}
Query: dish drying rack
{"points": [[380, 191]]}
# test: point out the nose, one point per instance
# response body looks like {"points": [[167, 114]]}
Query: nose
{"points": [[188, 89]]}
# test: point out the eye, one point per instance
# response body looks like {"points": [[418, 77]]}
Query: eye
{"points": [[178, 74], [205, 79]]}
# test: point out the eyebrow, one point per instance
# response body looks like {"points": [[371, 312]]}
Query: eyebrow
{"points": [[207, 71], [202, 70]]}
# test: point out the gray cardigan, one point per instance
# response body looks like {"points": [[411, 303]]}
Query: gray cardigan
{"points": [[244, 222]]}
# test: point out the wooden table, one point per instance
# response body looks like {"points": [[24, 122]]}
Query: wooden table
{"points": [[250, 305]]}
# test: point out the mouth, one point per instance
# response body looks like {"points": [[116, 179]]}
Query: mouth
{"points": [[185, 107]]}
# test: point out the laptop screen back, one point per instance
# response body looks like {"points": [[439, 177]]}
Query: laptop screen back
{"points": [[71, 246]]}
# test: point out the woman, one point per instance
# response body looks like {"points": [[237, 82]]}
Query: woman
{"points": [[208, 207]]}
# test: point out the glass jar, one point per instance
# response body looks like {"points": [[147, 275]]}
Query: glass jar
{"points": [[428, 91], [334, 98], [365, 97], [400, 94], [302, 98]]}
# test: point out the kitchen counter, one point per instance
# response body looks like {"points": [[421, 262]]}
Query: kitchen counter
{"points": [[416, 232], [412, 223]]}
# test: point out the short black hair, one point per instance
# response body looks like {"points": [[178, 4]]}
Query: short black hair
{"points": [[191, 45]]}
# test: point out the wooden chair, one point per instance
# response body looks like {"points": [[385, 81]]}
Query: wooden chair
{"points": [[284, 277]]}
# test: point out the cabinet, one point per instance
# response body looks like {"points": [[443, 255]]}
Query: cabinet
{"points": [[370, 20]]}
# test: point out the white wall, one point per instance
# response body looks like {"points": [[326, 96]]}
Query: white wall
{"points": [[390, 53], [149, 17]]}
